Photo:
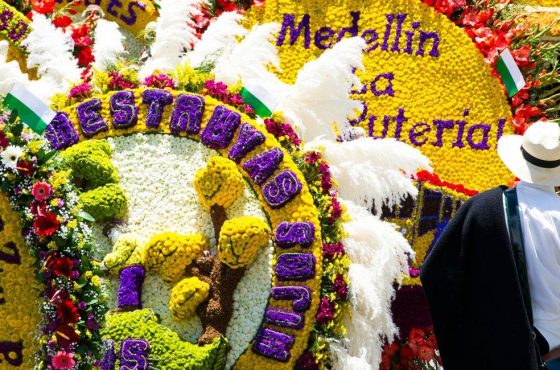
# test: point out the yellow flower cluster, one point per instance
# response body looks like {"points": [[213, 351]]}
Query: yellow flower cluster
{"points": [[241, 239], [125, 253], [190, 79], [219, 183], [169, 253], [19, 289], [131, 15], [15, 27], [186, 296], [453, 87]]}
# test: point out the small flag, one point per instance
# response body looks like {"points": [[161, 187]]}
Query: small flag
{"points": [[259, 98], [511, 75], [30, 109]]}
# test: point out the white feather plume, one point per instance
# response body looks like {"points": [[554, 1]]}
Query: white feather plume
{"points": [[50, 50], [220, 37], [249, 59], [374, 171], [379, 255], [174, 33], [320, 96], [108, 44]]}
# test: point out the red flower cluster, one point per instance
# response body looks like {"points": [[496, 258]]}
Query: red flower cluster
{"points": [[67, 312], [418, 353], [43, 6], [83, 44], [434, 179], [4, 141], [282, 129], [46, 224], [61, 266], [118, 82]]}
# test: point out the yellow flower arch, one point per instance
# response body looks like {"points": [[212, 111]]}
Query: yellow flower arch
{"points": [[424, 80]]}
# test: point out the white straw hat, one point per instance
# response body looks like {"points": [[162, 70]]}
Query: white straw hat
{"points": [[535, 156]]}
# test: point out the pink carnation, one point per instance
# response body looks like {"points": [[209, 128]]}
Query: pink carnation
{"points": [[63, 361]]}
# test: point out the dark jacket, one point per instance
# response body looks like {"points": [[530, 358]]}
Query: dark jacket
{"points": [[473, 291]]}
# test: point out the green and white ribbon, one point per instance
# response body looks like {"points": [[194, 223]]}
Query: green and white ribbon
{"points": [[30, 109], [510, 73], [259, 98]]}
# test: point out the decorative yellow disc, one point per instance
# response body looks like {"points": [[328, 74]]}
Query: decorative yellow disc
{"points": [[425, 83], [19, 292]]}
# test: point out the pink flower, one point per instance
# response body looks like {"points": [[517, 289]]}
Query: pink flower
{"points": [[63, 361], [41, 191]]}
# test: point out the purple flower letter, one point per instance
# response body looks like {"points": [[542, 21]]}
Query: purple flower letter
{"points": [[134, 354], [273, 344], [90, 118], [61, 133], [291, 234], [187, 114], [300, 295], [284, 318], [295, 266], [281, 189], [123, 110], [130, 289], [248, 139], [220, 128], [108, 361], [6, 348], [157, 100], [262, 166]]}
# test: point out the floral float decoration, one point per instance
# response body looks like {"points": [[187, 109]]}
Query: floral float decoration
{"points": [[172, 228]]}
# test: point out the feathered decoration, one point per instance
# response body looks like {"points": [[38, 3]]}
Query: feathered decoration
{"points": [[11, 73], [174, 34], [217, 39], [320, 95], [379, 255], [50, 50], [108, 44], [249, 59], [374, 172]]}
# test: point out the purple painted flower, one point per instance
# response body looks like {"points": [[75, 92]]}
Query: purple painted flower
{"points": [[80, 91], [332, 250], [340, 287], [326, 311], [159, 81]]}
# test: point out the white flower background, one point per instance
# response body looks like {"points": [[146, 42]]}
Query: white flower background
{"points": [[156, 173]]}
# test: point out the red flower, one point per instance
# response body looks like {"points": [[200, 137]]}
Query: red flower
{"points": [[25, 168], [61, 266], [80, 35], [46, 225], [85, 57], [66, 336], [38, 208], [227, 6], [4, 141], [340, 287], [62, 21], [426, 353], [63, 361], [43, 6], [67, 312]]}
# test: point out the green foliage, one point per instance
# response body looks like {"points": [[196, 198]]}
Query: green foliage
{"points": [[104, 203], [91, 163], [168, 351]]}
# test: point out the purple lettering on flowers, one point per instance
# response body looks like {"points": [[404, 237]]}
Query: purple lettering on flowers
{"points": [[289, 22], [281, 189], [13, 257], [418, 131], [61, 133], [295, 266], [389, 77], [130, 288], [273, 344], [123, 109], [89, 116], [187, 114], [108, 361], [17, 31], [157, 100], [247, 139], [300, 295], [283, 318], [5, 17], [262, 166], [291, 234], [134, 354], [220, 128], [131, 19], [483, 143], [12, 352]]}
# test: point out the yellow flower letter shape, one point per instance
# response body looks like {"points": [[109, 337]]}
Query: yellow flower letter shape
{"points": [[241, 239], [220, 183]]}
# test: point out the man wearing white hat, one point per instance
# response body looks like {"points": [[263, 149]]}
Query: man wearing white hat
{"points": [[492, 280]]}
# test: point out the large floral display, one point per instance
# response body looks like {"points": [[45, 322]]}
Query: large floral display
{"points": [[159, 222]]}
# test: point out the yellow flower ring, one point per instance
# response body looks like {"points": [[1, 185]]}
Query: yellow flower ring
{"points": [[19, 293], [131, 15], [425, 83], [280, 186]]}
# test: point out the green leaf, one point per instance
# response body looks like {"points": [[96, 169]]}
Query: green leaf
{"points": [[86, 216]]}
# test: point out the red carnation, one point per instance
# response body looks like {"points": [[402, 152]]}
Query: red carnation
{"points": [[85, 57], [46, 225], [67, 312], [62, 21], [61, 266]]}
